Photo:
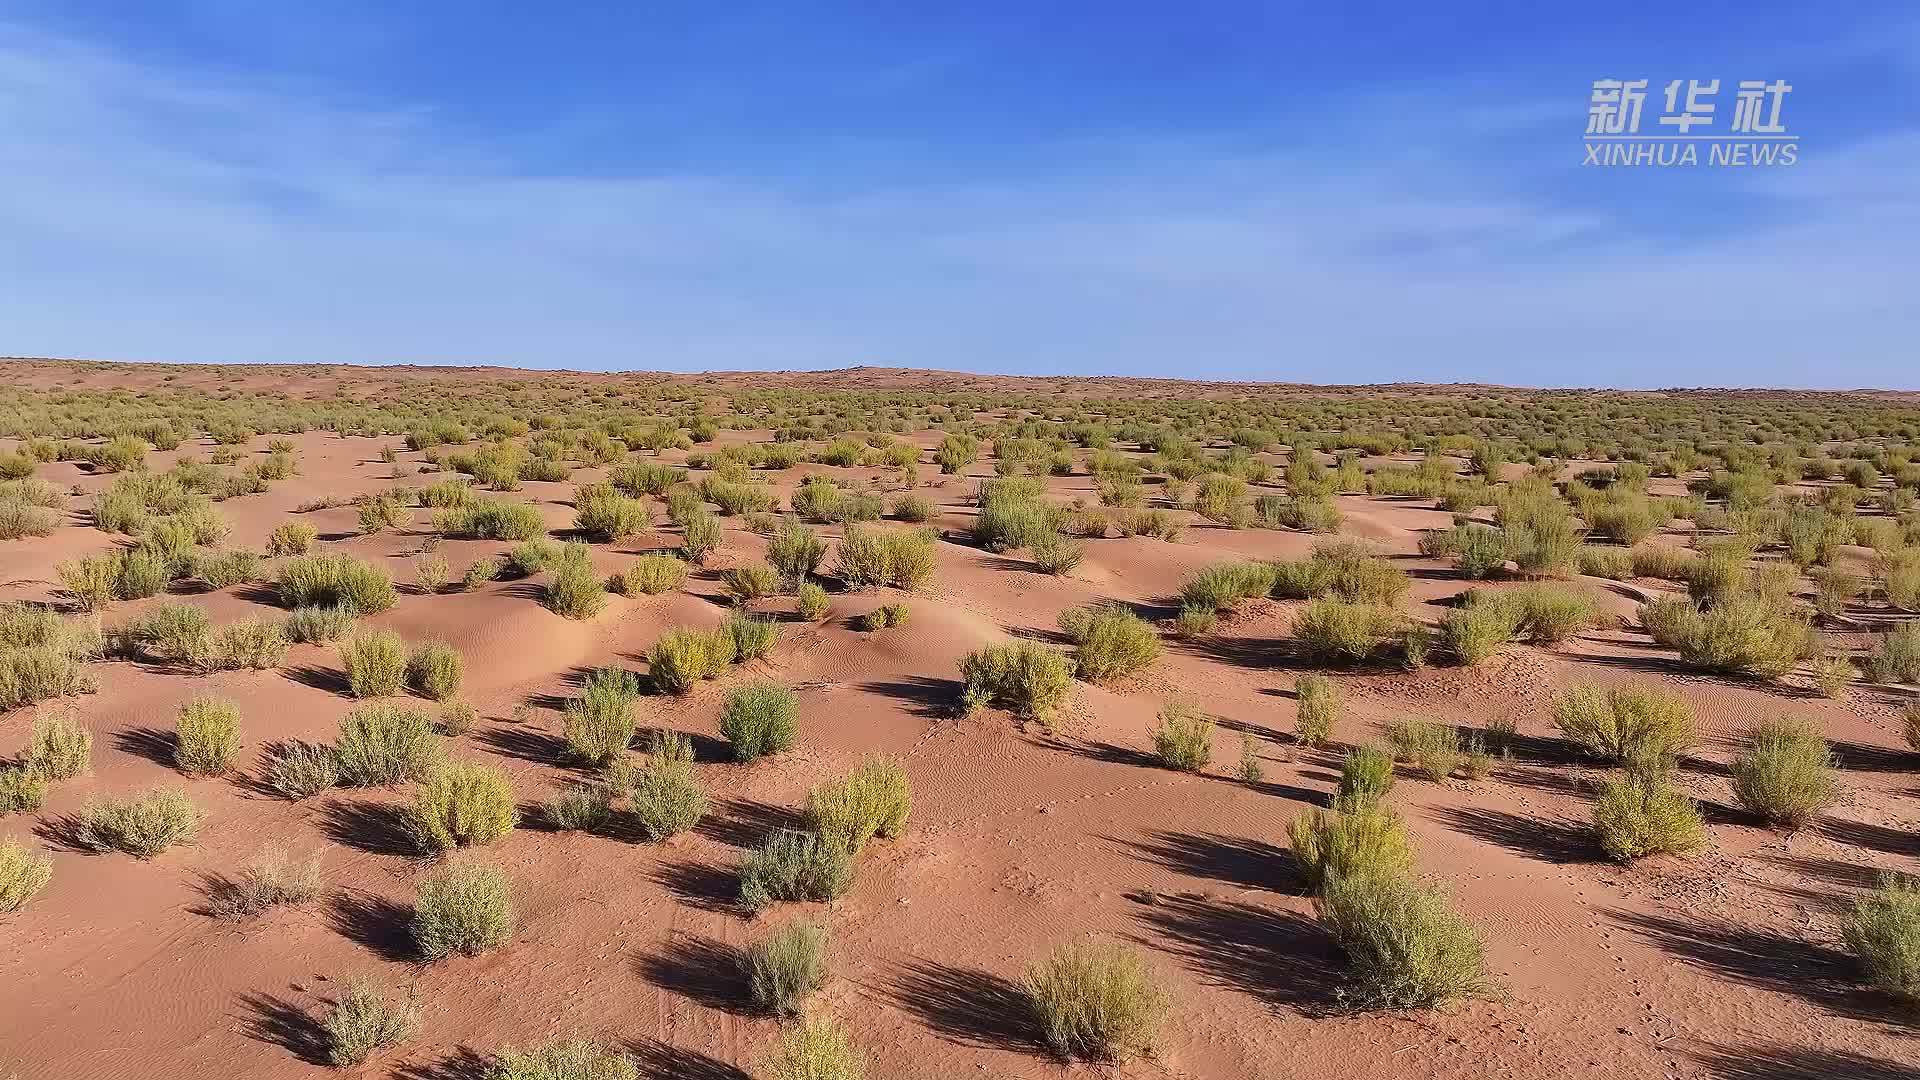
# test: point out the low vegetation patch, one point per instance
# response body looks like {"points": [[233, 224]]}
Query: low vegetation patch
{"points": [[463, 907], [1095, 1001]]}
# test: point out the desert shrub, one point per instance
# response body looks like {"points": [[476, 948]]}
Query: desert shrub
{"points": [[1158, 524], [175, 633], [606, 515], [1883, 932], [1642, 813], [1626, 726], [491, 519], [753, 636], [268, 880], [1336, 630], [461, 805], [1664, 563], [792, 865], [811, 602], [795, 551], [600, 722], [575, 590], [884, 617], [814, 1049], [1353, 839], [206, 736], [1183, 738], [529, 557], [683, 657], [462, 907], [385, 744], [1407, 946], [913, 508], [140, 572], [1473, 633], [1431, 747], [760, 718], [874, 800], [1897, 658], [434, 670], [752, 581], [785, 966], [21, 790], [255, 644], [59, 749], [23, 874], [93, 581], [1052, 554], [652, 575], [299, 770], [1834, 590], [564, 1059], [1785, 774], [1605, 562], [637, 478], [667, 797], [580, 807], [700, 537], [142, 826], [376, 663], [1222, 585], [1025, 677], [1095, 1001], [318, 624], [901, 558], [1110, 642], [1743, 634], [1366, 775], [431, 573], [481, 571], [363, 1022], [229, 568], [335, 581], [380, 512]]}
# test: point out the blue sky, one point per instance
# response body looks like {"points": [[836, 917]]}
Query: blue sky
{"points": [[1252, 191]]}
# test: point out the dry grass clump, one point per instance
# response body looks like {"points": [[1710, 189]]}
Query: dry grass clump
{"points": [[1110, 642], [1366, 775], [206, 736], [753, 635], [651, 575], [564, 1059], [811, 601], [786, 966], [600, 722], [464, 907], [23, 874], [667, 796], [1626, 726], [364, 1021], [874, 800], [1431, 747], [1342, 632], [791, 865], [899, 558], [376, 663], [1883, 932], [491, 519], [385, 744], [1221, 586], [885, 617], [1355, 837], [43, 656], [318, 625], [335, 581], [293, 538], [1643, 813], [21, 790], [682, 657], [1319, 707], [1897, 659], [434, 670], [461, 805], [270, 879], [142, 826], [300, 770], [1785, 774], [1028, 678], [60, 748], [1407, 946], [814, 1049], [1095, 1001], [255, 644], [1183, 738], [699, 536], [760, 718], [226, 569]]}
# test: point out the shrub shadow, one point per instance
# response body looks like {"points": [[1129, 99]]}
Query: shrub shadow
{"points": [[923, 695], [744, 823], [1781, 1062], [1555, 841], [706, 971], [462, 1063], [375, 827], [1872, 837], [330, 680], [1241, 861], [1280, 957], [702, 885], [659, 1061], [274, 1019], [149, 743], [381, 926], [966, 1005]]}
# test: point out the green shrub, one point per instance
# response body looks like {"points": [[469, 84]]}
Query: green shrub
{"points": [[564, 1059], [230, 568], [463, 804], [481, 572], [1095, 1001], [385, 744], [637, 478], [652, 575], [462, 907], [60, 748], [913, 508], [335, 580], [1626, 726], [581, 807], [1605, 562], [380, 512], [21, 790], [1219, 587], [141, 572], [1366, 775], [318, 624], [1351, 840], [206, 736], [256, 644], [814, 1049], [683, 657], [1110, 642], [600, 722], [1785, 774], [884, 617], [376, 663], [901, 558], [93, 581], [1429, 746], [667, 797], [604, 514], [1319, 707], [793, 865], [22, 875], [752, 581], [1183, 739], [785, 966], [874, 800], [700, 537], [1642, 813], [491, 519], [575, 590], [760, 718], [142, 826], [299, 770], [811, 601], [1336, 630], [434, 670], [363, 1022], [1474, 632], [1897, 659], [1883, 931], [1025, 677], [1407, 946]]}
